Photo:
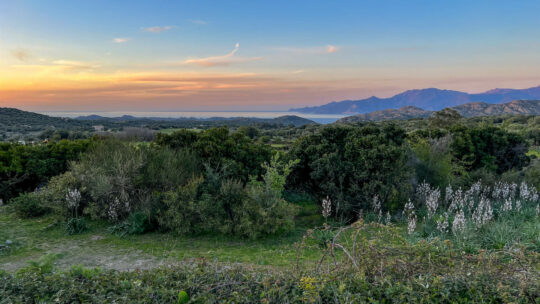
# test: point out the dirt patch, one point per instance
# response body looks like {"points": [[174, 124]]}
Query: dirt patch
{"points": [[87, 254]]}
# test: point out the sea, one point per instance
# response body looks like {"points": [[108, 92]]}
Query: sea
{"points": [[319, 118]]}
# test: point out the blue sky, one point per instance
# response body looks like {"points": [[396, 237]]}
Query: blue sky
{"points": [[217, 55]]}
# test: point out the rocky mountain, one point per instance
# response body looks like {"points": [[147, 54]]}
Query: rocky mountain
{"points": [[431, 99], [471, 109], [523, 107]]}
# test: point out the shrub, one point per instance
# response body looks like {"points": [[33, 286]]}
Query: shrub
{"points": [[23, 168], [76, 225], [29, 205], [225, 205], [107, 175], [488, 147], [351, 166], [136, 223], [183, 213]]}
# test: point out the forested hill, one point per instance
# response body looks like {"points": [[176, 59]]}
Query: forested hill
{"points": [[16, 124], [431, 99], [472, 109], [11, 118], [281, 120]]}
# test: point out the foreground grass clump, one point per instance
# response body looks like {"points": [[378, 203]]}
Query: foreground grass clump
{"points": [[360, 263]]}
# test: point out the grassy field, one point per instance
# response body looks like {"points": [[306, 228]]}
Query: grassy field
{"points": [[98, 247]]}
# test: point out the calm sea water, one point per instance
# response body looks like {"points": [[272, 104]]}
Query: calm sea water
{"points": [[320, 118]]}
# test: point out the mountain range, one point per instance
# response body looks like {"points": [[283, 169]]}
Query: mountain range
{"points": [[471, 109], [430, 99]]}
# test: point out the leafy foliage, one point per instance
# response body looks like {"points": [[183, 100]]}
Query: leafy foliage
{"points": [[29, 205], [351, 165], [489, 147], [25, 167]]}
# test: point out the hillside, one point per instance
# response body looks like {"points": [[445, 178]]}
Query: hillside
{"points": [[10, 117], [407, 112], [431, 99], [516, 107], [16, 124], [472, 109]]}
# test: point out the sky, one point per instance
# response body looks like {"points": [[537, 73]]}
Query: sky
{"points": [[99, 55]]}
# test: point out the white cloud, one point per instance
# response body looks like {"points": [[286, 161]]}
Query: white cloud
{"points": [[222, 60], [121, 40], [157, 29]]}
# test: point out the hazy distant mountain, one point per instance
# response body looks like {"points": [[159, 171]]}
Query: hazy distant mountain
{"points": [[516, 107], [428, 99]]}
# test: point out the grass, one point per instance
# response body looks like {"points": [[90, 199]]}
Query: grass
{"points": [[36, 237]]}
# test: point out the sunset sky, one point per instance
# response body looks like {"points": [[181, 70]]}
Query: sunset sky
{"points": [[257, 55]]}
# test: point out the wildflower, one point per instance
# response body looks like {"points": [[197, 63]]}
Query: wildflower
{"points": [[326, 207], [457, 201], [423, 190], [442, 223], [432, 202], [524, 192], [411, 217], [507, 206], [73, 198], [518, 205], [376, 204], [458, 226], [483, 213], [411, 223], [113, 209], [389, 217]]}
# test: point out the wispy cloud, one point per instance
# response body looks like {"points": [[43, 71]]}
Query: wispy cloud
{"points": [[21, 54], [59, 66], [75, 65], [198, 21], [222, 60], [157, 29], [297, 72], [121, 40], [328, 49]]}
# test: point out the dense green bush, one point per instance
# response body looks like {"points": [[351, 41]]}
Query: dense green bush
{"points": [[174, 190], [23, 168], [236, 152], [218, 203], [29, 205], [432, 161], [352, 165], [491, 148]]}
